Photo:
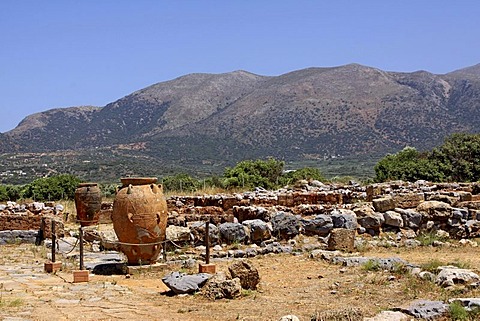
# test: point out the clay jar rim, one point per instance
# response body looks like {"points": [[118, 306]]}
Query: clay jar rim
{"points": [[138, 180], [87, 184]]}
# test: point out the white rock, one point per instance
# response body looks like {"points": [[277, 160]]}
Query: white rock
{"points": [[289, 317], [450, 275], [389, 316]]}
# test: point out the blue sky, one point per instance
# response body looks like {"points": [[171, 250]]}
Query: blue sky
{"points": [[61, 53]]}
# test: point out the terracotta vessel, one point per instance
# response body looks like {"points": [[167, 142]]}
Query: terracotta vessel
{"points": [[140, 217], [88, 202]]}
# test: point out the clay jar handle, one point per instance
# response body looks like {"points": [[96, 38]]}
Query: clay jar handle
{"points": [[154, 188], [158, 218], [130, 217]]}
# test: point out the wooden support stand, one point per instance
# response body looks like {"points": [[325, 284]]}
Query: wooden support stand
{"points": [[209, 268], [51, 267], [80, 276]]}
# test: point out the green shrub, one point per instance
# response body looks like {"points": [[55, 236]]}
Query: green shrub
{"points": [[307, 173], [428, 238], [254, 173], [458, 159], [458, 312], [52, 188], [432, 265], [180, 183], [371, 265]]}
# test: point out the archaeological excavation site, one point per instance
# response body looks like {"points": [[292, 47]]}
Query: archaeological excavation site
{"points": [[312, 251]]}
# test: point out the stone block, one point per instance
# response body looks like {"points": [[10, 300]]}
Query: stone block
{"points": [[408, 200], [285, 200], [341, 239], [465, 196], [383, 204]]}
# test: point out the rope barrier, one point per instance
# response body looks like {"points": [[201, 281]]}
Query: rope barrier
{"points": [[147, 244], [73, 247], [128, 244]]}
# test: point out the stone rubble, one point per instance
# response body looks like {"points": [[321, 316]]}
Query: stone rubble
{"points": [[264, 218]]}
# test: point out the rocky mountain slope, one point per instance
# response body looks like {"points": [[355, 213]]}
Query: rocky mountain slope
{"points": [[304, 114]]}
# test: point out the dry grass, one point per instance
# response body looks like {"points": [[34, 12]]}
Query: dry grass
{"points": [[289, 285]]}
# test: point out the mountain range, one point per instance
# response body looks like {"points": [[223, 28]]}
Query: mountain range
{"points": [[313, 113]]}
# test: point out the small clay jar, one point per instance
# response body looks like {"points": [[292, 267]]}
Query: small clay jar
{"points": [[88, 203]]}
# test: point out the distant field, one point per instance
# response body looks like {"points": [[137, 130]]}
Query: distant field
{"points": [[356, 167], [108, 166]]}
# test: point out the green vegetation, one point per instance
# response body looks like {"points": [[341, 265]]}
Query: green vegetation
{"points": [[432, 265], [303, 173], [180, 182], [246, 174], [371, 265], [10, 192], [52, 188], [257, 173], [457, 160], [42, 189], [428, 238], [458, 312]]}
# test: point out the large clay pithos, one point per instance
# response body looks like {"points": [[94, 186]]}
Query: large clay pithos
{"points": [[88, 203], [140, 219]]}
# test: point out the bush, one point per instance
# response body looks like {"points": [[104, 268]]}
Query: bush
{"points": [[180, 183], [307, 173], [109, 190], [458, 159], [52, 188], [371, 265], [458, 312], [10, 193], [428, 238], [254, 173], [408, 165]]}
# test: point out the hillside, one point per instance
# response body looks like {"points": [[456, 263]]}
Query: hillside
{"points": [[314, 113]]}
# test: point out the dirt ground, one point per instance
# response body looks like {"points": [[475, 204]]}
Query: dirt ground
{"points": [[290, 284]]}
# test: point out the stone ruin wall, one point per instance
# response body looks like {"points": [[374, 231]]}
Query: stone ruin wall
{"points": [[28, 217], [226, 208], [452, 207]]}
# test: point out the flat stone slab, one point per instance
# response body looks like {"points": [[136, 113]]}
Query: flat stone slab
{"points": [[131, 269], [424, 309], [67, 301], [181, 283]]}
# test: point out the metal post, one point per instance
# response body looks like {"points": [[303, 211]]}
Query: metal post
{"points": [[81, 247], [207, 243], [54, 240]]}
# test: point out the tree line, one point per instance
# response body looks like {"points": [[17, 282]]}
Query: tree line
{"points": [[247, 174], [456, 160]]}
